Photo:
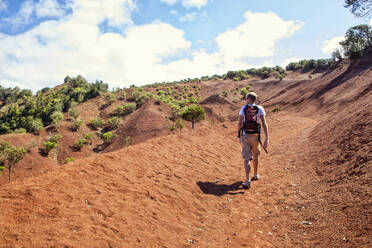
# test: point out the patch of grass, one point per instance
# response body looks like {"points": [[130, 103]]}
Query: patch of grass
{"points": [[69, 159], [275, 109]]}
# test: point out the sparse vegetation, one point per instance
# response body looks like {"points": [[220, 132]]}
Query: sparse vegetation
{"points": [[9, 156], [57, 117], [127, 141], [69, 159], [21, 109], [193, 113], [77, 124], [108, 137], [114, 122], [50, 144], [180, 125], [357, 40], [125, 109], [275, 109], [97, 123], [80, 143]]}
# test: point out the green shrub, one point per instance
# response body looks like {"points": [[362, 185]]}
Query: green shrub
{"points": [[243, 92], [114, 122], [225, 93], [35, 125], [20, 130], [57, 117], [80, 143], [127, 141], [55, 138], [237, 78], [123, 95], [74, 113], [49, 145], [69, 159], [97, 123], [125, 109], [141, 100], [275, 109], [88, 136], [108, 137], [110, 98], [76, 124]]}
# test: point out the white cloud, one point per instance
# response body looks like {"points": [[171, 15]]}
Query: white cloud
{"points": [[169, 2], [330, 45], [189, 17], [74, 45], [370, 22], [173, 12], [48, 8], [194, 3], [257, 36], [3, 5]]}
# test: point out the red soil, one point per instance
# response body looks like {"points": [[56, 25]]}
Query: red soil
{"points": [[183, 190]]}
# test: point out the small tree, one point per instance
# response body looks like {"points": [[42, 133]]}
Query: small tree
{"points": [[180, 125], [336, 55], [357, 40], [57, 117], [193, 113], [280, 76], [360, 8], [10, 155]]}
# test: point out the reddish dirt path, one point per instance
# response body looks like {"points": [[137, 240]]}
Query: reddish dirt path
{"points": [[177, 191]]}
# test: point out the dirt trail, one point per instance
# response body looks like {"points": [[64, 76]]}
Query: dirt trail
{"points": [[175, 191]]}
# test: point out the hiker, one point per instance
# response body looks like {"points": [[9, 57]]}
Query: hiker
{"points": [[249, 134]]}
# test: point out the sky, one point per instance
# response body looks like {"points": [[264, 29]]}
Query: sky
{"points": [[125, 42]]}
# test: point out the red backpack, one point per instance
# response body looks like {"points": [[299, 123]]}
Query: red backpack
{"points": [[251, 122]]}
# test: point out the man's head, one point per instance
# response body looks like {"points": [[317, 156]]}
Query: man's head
{"points": [[251, 97]]}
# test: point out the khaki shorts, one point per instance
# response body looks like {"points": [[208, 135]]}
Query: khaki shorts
{"points": [[250, 148]]}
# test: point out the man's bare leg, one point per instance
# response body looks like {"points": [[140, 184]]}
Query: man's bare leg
{"points": [[247, 168], [255, 166]]}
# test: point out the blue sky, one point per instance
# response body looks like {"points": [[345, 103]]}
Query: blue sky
{"points": [[143, 41]]}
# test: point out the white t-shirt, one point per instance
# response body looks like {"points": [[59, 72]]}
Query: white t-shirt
{"points": [[261, 112]]}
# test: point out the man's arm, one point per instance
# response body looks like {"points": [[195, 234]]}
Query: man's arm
{"points": [[240, 122], [266, 131]]}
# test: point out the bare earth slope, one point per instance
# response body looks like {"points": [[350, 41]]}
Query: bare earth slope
{"points": [[184, 190], [171, 191]]}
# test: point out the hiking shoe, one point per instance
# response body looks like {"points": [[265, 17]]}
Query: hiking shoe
{"points": [[255, 177], [247, 183]]}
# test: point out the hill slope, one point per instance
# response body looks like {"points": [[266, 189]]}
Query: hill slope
{"points": [[184, 190]]}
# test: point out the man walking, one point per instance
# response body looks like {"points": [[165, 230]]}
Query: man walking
{"points": [[248, 127]]}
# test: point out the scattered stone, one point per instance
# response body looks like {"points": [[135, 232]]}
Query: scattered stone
{"points": [[192, 241], [229, 200], [260, 232], [305, 222], [270, 233]]}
